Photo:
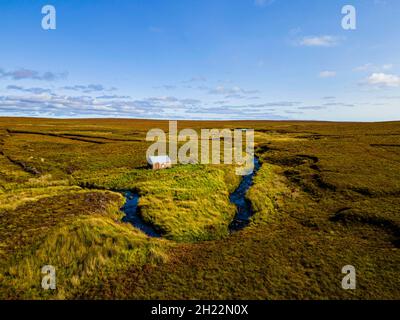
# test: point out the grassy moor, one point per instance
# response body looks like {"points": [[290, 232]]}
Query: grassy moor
{"points": [[327, 195]]}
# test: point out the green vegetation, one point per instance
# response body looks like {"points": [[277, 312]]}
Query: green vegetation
{"points": [[186, 203], [268, 194], [327, 195], [84, 240]]}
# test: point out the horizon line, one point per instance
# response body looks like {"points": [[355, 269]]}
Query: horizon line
{"points": [[195, 120]]}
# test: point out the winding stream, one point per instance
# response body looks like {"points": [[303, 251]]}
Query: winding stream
{"points": [[133, 217], [238, 198]]}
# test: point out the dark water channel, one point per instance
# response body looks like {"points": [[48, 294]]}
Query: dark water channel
{"points": [[238, 197], [132, 215]]}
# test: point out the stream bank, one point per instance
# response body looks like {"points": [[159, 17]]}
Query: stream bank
{"points": [[241, 220]]}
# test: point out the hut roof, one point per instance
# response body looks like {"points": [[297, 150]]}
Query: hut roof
{"points": [[159, 159]]}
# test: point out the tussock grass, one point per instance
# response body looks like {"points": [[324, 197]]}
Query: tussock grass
{"points": [[84, 250], [268, 194], [188, 203], [87, 249], [327, 195], [170, 199], [12, 199]]}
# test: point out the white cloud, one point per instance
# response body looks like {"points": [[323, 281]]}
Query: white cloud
{"points": [[327, 74], [364, 67], [319, 41], [235, 90], [387, 67], [196, 79], [383, 80], [35, 90], [88, 88], [23, 74], [373, 68]]}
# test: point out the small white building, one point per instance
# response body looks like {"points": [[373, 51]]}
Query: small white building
{"points": [[160, 162]]}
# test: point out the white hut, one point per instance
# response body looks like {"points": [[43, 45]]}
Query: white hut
{"points": [[160, 162]]}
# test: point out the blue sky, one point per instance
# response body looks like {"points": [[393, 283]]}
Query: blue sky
{"points": [[201, 59]]}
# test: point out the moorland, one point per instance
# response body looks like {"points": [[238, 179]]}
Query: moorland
{"points": [[327, 195]]}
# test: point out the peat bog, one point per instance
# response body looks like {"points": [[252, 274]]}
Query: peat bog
{"points": [[325, 195]]}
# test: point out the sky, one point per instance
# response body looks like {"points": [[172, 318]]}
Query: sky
{"points": [[201, 59]]}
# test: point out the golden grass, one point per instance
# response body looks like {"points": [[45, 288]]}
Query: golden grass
{"points": [[88, 247], [327, 195]]}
